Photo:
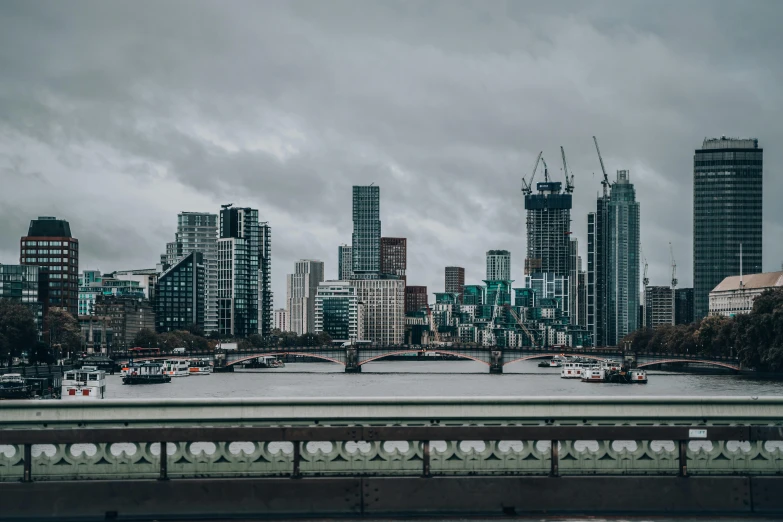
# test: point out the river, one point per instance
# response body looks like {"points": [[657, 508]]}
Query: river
{"points": [[432, 379]]}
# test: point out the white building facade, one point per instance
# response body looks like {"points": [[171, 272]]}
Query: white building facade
{"points": [[301, 288], [338, 311], [281, 320], [384, 309], [735, 294]]}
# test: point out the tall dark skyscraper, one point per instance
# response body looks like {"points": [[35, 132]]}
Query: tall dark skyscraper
{"points": [[50, 245], [244, 279], [727, 206], [548, 229], [366, 247], [613, 264]]}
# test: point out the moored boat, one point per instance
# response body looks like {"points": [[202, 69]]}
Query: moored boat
{"points": [[176, 367], [88, 382], [571, 370], [147, 373], [199, 367], [593, 373], [13, 386]]}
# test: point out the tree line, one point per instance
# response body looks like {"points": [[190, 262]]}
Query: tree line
{"points": [[19, 334], [192, 339], [756, 339]]}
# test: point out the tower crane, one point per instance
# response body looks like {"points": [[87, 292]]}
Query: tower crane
{"points": [[516, 317], [605, 181], [527, 188], [674, 281], [569, 179]]}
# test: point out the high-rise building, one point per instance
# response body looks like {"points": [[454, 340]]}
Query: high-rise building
{"points": [[240, 272], [727, 213], [384, 309], [415, 299], [344, 263], [475, 295], [683, 306], [338, 311], [658, 306], [455, 281], [366, 247], [394, 256], [613, 264], [574, 268], [548, 229], [21, 284], [198, 232], [265, 296], [498, 265], [50, 245], [548, 285], [281, 320], [302, 286], [181, 297]]}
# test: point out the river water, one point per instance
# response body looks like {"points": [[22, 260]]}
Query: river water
{"points": [[432, 379]]}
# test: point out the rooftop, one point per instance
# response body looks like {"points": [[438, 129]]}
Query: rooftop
{"points": [[46, 226], [751, 281], [730, 143]]}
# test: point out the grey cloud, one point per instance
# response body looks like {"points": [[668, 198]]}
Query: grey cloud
{"points": [[150, 108]]}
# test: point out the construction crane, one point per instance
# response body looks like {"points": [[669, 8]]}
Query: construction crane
{"points": [[433, 326], [645, 279], [527, 188], [516, 317], [569, 179], [605, 181], [674, 282]]}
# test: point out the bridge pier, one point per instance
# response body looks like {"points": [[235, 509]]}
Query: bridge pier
{"points": [[496, 362], [352, 361]]}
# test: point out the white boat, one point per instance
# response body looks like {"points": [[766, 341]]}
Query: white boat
{"points": [[86, 383], [594, 373], [129, 368], [176, 367], [199, 367], [638, 376], [571, 370]]}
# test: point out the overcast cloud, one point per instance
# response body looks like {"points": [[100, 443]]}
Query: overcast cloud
{"points": [[118, 115]]}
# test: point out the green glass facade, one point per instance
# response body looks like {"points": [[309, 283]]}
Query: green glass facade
{"points": [[727, 212], [366, 247], [180, 295]]}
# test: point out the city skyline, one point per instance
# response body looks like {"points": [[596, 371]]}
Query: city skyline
{"points": [[451, 205]]}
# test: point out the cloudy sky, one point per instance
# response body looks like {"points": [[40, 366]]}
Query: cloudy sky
{"points": [[118, 115]]}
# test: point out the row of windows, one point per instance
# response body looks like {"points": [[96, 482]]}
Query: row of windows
{"points": [[72, 244]]}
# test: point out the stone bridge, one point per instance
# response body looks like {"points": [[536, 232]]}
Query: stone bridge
{"points": [[353, 358], [385, 457]]}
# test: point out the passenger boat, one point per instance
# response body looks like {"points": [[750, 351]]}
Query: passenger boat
{"points": [[147, 373], [557, 361], [176, 367], [129, 368], [571, 370], [595, 373], [13, 386], [200, 367], [88, 382]]}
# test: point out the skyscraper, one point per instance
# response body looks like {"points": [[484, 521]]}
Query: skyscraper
{"points": [[658, 306], [683, 306], [384, 309], [265, 297], [50, 245], [302, 286], [727, 207], [498, 265], [198, 232], [239, 258], [455, 281], [394, 256], [344, 263], [366, 248], [181, 297], [613, 264], [548, 229], [338, 311]]}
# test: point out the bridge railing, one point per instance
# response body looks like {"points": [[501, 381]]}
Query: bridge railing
{"points": [[391, 437]]}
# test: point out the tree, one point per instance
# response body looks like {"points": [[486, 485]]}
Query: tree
{"points": [[65, 334], [18, 332], [41, 354], [146, 338]]}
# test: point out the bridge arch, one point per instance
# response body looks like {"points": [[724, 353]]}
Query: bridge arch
{"points": [[550, 355], [442, 352], [267, 354], [700, 361]]}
